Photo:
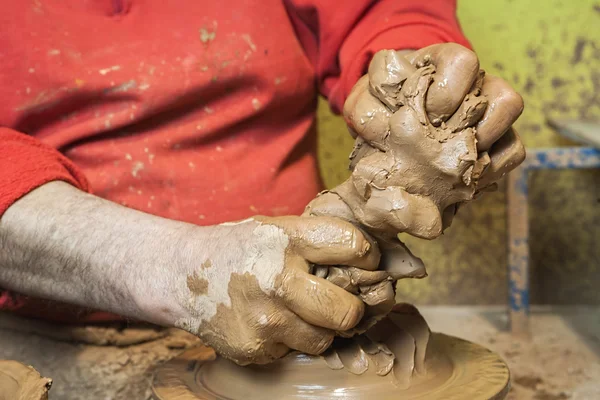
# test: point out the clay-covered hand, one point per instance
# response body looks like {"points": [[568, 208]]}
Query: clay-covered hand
{"points": [[253, 298], [457, 73], [375, 288], [434, 131]]}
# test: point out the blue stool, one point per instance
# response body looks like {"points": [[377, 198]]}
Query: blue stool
{"points": [[518, 221]]}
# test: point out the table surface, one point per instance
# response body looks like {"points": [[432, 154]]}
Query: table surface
{"points": [[563, 354]]}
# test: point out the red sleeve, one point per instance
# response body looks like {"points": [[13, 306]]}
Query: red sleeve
{"points": [[340, 40], [27, 163]]}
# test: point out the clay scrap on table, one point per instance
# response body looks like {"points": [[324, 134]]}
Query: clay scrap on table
{"points": [[409, 174], [22, 382], [117, 334]]}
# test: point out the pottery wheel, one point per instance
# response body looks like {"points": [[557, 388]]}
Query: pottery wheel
{"points": [[456, 369]]}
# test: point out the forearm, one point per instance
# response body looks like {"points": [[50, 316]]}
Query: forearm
{"points": [[62, 244]]}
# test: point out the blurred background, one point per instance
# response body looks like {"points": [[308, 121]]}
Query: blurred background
{"points": [[550, 52]]}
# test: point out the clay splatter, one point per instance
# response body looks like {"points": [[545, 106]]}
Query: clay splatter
{"points": [[105, 71], [197, 285], [137, 167], [248, 40], [207, 36]]}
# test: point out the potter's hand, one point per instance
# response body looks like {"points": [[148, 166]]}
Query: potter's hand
{"points": [[244, 288], [457, 70], [433, 132], [374, 288], [456, 73], [252, 297]]}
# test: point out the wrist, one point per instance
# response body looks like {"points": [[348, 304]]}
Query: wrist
{"points": [[186, 281], [154, 283]]}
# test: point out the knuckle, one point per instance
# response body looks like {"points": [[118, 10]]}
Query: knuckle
{"points": [[466, 57], [510, 98]]}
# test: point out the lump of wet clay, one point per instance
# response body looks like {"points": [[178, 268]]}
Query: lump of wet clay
{"points": [[22, 382], [409, 175], [406, 170]]}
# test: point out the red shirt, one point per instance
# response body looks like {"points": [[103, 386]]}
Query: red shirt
{"points": [[196, 111]]}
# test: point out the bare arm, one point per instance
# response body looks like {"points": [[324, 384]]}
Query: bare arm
{"points": [[63, 244], [243, 287]]}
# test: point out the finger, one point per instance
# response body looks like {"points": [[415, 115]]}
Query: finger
{"points": [[504, 107], [365, 114], [340, 276], [361, 277], [319, 302], [302, 336], [457, 69], [469, 113], [505, 155], [359, 87], [387, 71], [330, 241], [382, 292], [350, 104], [379, 300], [350, 278]]}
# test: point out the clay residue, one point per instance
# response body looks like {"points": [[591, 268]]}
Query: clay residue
{"points": [[22, 382], [408, 173], [406, 169], [397, 344], [197, 285], [227, 330], [124, 334], [415, 160]]}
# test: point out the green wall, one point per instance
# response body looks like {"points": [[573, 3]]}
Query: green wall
{"points": [[550, 52]]}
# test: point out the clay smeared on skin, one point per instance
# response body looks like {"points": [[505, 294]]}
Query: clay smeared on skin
{"points": [[198, 286], [263, 266], [271, 303], [413, 163], [407, 174], [416, 159]]}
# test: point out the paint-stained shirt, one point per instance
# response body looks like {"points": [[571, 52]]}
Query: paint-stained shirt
{"points": [[199, 111]]}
